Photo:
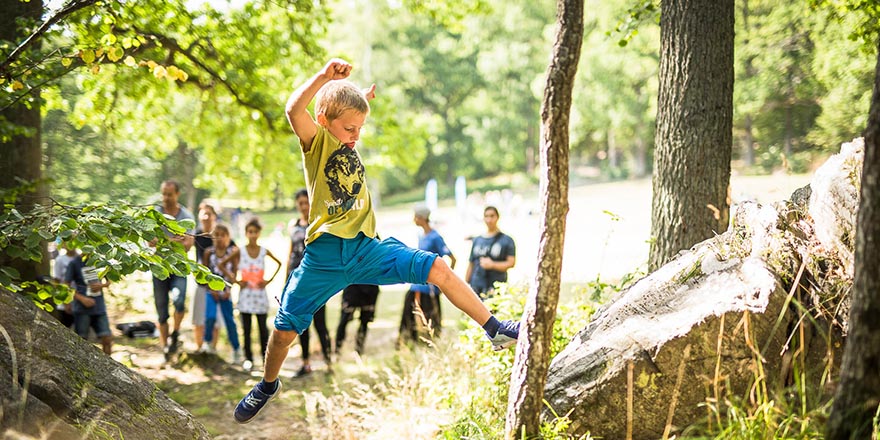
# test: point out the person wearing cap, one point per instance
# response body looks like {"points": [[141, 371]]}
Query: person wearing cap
{"points": [[421, 308]]}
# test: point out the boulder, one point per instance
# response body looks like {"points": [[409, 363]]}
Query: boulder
{"points": [[55, 385], [700, 330]]}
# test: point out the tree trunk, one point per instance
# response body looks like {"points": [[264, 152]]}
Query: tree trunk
{"points": [[748, 142], [694, 125], [529, 372], [22, 154], [749, 138], [640, 158], [858, 394]]}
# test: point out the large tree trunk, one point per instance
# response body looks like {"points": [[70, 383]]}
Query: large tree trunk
{"points": [[694, 125], [858, 394], [525, 400], [56, 385], [21, 155]]}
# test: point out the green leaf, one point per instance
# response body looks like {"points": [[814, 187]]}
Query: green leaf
{"points": [[14, 251], [10, 272], [217, 283], [159, 271], [33, 240]]}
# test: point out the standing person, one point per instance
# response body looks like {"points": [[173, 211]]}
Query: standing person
{"points": [[203, 240], [252, 299], [89, 308], [223, 261], [173, 288], [342, 247], [421, 307], [64, 312], [357, 296], [492, 255], [297, 252]]}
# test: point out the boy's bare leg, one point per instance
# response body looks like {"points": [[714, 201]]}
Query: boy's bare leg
{"points": [[276, 351], [459, 293]]}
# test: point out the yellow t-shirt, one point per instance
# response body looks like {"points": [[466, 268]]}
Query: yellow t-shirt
{"points": [[340, 203]]}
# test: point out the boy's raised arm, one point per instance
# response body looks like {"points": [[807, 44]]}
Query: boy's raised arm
{"points": [[297, 111]]}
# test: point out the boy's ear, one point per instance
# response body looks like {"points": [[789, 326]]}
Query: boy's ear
{"points": [[322, 119]]}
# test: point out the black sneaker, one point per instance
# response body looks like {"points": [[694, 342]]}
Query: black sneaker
{"points": [[251, 405], [175, 340], [305, 370], [507, 335]]}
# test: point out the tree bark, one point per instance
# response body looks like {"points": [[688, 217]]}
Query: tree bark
{"points": [[21, 153], [529, 373], [858, 394], [693, 139]]}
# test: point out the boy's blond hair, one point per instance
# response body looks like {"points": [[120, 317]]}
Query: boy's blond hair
{"points": [[338, 96]]}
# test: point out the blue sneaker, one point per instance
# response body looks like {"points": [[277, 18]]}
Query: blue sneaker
{"points": [[508, 333], [255, 400]]}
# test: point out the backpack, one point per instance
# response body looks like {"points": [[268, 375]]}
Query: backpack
{"points": [[140, 329]]}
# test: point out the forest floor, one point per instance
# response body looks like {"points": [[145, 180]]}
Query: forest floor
{"points": [[608, 229]]}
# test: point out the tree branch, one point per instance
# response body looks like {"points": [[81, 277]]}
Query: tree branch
{"points": [[68, 9], [174, 46]]}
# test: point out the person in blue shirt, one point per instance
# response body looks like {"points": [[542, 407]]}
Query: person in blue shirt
{"points": [[89, 309], [421, 307]]}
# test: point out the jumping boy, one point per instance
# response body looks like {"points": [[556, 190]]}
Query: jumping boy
{"points": [[342, 245]]}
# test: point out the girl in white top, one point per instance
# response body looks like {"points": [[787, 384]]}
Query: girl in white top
{"points": [[252, 299]]}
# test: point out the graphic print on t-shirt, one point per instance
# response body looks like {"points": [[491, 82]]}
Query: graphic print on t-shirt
{"points": [[345, 178]]}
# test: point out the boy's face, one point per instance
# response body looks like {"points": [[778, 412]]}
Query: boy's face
{"points": [[346, 128]]}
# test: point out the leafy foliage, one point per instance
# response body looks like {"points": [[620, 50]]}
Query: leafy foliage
{"points": [[115, 238], [643, 11]]}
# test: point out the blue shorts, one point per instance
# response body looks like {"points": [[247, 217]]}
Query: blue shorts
{"points": [[331, 263]]}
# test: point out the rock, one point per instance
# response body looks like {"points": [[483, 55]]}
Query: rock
{"points": [[69, 389], [834, 202], [700, 329]]}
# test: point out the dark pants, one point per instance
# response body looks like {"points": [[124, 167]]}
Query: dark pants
{"points": [[357, 296], [320, 324], [246, 331], [428, 320]]}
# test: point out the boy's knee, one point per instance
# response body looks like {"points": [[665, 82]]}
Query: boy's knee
{"points": [[282, 337], [440, 272]]}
